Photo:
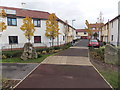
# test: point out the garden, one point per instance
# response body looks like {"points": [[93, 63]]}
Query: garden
{"points": [[108, 71], [14, 56]]}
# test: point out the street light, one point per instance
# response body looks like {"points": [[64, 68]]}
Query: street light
{"points": [[73, 21], [72, 31]]}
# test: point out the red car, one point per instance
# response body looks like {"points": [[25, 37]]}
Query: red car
{"points": [[93, 43]]}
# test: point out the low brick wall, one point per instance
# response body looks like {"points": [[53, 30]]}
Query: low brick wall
{"points": [[112, 55]]}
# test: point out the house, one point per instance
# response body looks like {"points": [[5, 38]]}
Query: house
{"points": [[105, 33], [96, 28], [81, 33], [14, 38], [111, 31]]}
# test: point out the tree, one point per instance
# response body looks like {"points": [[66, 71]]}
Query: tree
{"points": [[90, 32], [52, 27], [2, 24], [29, 51], [95, 35], [28, 28]]}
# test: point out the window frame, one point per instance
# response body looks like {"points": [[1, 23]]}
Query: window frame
{"points": [[13, 42], [112, 37], [38, 20], [37, 36], [11, 23], [85, 33]]}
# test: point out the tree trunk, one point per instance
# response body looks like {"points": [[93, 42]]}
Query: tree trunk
{"points": [[58, 40], [52, 42]]}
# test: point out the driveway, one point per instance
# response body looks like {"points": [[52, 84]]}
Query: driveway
{"points": [[71, 68]]}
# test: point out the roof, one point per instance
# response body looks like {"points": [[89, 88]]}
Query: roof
{"points": [[96, 25], [32, 13], [113, 19], [29, 13], [80, 30], [85, 30]]}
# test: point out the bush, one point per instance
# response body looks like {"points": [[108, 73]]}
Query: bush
{"points": [[56, 48], [97, 54], [10, 54], [40, 51]]}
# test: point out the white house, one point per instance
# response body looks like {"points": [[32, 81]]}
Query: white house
{"points": [[81, 33], [111, 31], [14, 38]]}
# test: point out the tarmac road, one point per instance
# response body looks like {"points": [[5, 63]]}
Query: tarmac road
{"points": [[69, 69]]}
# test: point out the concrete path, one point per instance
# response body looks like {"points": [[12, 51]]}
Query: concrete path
{"points": [[71, 68]]}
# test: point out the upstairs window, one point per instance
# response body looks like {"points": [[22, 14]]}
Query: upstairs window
{"points": [[36, 22], [85, 33], [13, 39], [112, 37], [63, 38], [37, 39], [12, 21]]}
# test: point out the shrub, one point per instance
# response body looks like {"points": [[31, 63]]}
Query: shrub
{"points": [[57, 48], [40, 50], [97, 53], [10, 54], [4, 57]]}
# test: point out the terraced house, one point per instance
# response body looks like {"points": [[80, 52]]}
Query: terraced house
{"points": [[14, 38], [111, 30]]}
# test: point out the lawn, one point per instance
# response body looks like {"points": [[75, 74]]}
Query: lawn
{"points": [[111, 77], [18, 60]]}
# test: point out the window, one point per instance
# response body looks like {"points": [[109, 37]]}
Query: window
{"points": [[50, 38], [37, 39], [13, 39], [112, 38], [36, 22], [63, 38], [12, 21], [85, 33]]}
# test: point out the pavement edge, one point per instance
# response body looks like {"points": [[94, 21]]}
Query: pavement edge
{"points": [[99, 72]]}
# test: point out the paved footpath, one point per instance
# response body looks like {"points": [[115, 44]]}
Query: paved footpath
{"points": [[71, 68]]}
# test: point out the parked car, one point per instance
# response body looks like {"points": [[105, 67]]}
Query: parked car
{"points": [[93, 43]]}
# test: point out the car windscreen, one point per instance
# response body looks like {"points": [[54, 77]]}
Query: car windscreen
{"points": [[93, 41]]}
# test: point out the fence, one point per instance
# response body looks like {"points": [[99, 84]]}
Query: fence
{"points": [[21, 45]]}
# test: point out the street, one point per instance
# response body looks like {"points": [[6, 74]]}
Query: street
{"points": [[71, 68]]}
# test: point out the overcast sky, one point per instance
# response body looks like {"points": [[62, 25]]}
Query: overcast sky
{"points": [[80, 10]]}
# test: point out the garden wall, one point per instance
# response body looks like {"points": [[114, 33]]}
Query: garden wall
{"points": [[112, 55]]}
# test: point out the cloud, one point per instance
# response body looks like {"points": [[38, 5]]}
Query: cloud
{"points": [[71, 9]]}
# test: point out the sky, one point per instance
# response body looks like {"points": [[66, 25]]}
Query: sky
{"points": [[78, 10]]}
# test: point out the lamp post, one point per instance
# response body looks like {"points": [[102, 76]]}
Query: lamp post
{"points": [[73, 31]]}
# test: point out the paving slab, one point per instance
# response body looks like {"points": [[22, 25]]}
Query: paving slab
{"points": [[67, 60]]}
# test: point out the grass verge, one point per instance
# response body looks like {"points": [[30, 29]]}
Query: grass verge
{"points": [[18, 60], [111, 77]]}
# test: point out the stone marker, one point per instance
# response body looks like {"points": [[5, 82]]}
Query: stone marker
{"points": [[29, 52]]}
